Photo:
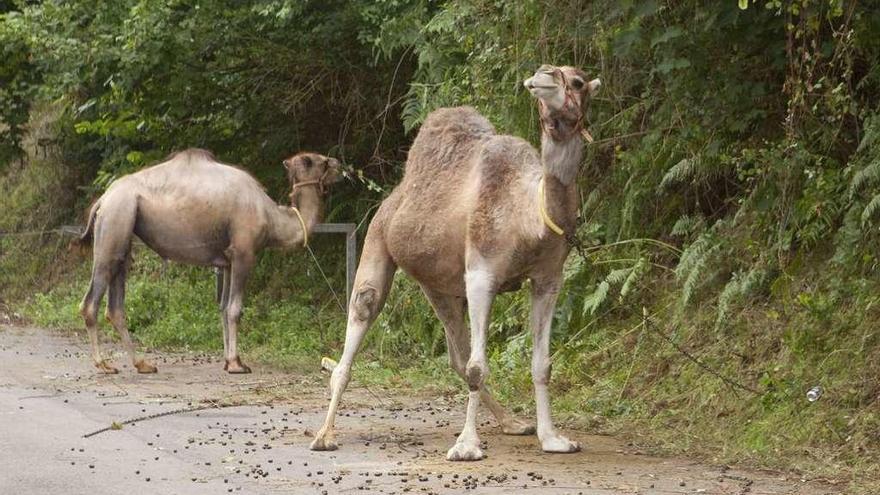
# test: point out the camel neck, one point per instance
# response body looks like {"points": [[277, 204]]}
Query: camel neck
{"points": [[561, 158], [287, 228], [560, 161], [310, 205]]}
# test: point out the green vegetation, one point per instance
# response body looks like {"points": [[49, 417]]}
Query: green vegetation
{"points": [[731, 191]]}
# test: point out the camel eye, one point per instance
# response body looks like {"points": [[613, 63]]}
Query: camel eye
{"points": [[577, 84]]}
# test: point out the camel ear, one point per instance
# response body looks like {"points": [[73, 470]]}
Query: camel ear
{"points": [[593, 86]]}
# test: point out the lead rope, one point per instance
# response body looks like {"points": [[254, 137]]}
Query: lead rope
{"points": [[542, 207], [320, 184], [326, 280], [303, 224]]}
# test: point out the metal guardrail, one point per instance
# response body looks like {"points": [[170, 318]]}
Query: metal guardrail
{"points": [[349, 229]]}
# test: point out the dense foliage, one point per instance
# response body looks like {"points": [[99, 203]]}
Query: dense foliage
{"points": [[732, 189]]}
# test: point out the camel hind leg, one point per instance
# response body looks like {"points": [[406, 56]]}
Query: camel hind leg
{"points": [[89, 311], [224, 275], [112, 233], [450, 310], [116, 316], [372, 282]]}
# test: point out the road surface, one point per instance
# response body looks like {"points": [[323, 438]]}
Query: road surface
{"points": [[393, 443]]}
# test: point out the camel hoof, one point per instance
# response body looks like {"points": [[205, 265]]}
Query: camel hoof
{"points": [[516, 426], [323, 443], [235, 367], [106, 369], [464, 451], [558, 444], [145, 367]]}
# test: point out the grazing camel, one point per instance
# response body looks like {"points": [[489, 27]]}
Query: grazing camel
{"points": [[195, 210], [475, 214]]}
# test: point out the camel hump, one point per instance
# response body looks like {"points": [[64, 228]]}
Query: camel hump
{"points": [[463, 119], [191, 153], [447, 137]]}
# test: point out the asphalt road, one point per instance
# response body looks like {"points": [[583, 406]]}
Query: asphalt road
{"points": [[393, 443]]}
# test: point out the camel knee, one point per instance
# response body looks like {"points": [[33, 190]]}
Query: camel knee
{"points": [[475, 374], [364, 303]]}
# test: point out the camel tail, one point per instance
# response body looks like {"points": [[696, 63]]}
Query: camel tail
{"points": [[85, 239]]}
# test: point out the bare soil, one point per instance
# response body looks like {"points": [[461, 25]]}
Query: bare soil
{"points": [[252, 436]]}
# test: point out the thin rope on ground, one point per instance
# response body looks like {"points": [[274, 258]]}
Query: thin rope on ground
{"points": [[733, 383], [116, 426]]}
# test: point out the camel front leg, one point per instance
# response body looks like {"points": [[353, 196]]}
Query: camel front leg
{"points": [[480, 292], [371, 285], [544, 294], [241, 268]]}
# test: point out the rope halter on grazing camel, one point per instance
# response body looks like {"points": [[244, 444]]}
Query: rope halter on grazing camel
{"points": [[316, 182], [574, 113], [571, 110]]}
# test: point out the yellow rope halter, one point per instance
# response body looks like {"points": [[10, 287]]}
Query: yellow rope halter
{"points": [[542, 207], [303, 223]]}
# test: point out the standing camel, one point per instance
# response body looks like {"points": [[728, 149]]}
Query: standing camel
{"points": [[195, 210], [475, 214]]}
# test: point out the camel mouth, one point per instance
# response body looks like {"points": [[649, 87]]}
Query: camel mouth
{"points": [[541, 84]]}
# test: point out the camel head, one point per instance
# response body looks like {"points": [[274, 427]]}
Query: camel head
{"points": [[562, 94], [311, 169]]}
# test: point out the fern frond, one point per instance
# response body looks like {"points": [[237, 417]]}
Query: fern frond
{"points": [[635, 273], [692, 254], [868, 175], [616, 277], [695, 276], [684, 170], [686, 225], [414, 109], [596, 298], [870, 210]]}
